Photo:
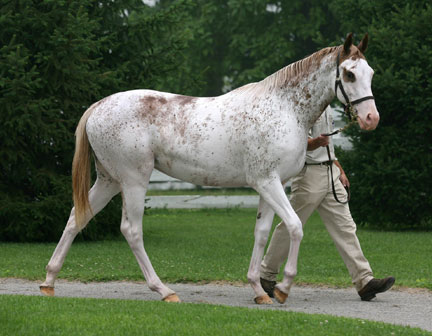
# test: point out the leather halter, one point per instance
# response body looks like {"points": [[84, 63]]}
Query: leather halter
{"points": [[352, 116], [349, 107]]}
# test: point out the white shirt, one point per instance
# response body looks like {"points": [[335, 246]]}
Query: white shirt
{"points": [[324, 124]]}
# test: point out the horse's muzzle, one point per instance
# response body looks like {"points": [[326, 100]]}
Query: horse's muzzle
{"points": [[370, 122]]}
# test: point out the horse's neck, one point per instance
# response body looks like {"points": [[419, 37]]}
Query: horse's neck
{"points": [[304, 88], [310, 93], [316, 92]]}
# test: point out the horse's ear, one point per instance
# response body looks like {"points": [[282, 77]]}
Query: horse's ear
{"points": [[364, 43], [348, 43]]}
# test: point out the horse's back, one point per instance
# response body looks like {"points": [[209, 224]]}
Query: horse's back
{"points": [[186, 137]]}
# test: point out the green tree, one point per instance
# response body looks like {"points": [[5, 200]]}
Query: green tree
{"points": [[265, 38], [241, 41], [209, 25], [390, 167], [56, 58]]}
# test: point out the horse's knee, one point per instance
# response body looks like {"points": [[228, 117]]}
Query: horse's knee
{"points": [[295, 231]]}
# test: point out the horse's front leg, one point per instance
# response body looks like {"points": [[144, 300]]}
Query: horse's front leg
{"points": [[262, 228], [274, 194]]}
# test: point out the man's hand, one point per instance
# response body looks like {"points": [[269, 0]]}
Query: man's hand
{"points": [[319, 141], [344, 179]]}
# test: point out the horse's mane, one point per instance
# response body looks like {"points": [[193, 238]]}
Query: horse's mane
{"points": [[289, 74]]}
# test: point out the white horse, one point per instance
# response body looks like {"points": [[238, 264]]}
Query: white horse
{"points": [[255, 135]]}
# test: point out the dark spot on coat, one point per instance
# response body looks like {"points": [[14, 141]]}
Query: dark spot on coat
{"points": [[306, 93], [183, 100], [149, 108]]}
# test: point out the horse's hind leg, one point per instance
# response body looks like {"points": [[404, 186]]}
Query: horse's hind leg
{"points": [[99, 195], [131, 227]]}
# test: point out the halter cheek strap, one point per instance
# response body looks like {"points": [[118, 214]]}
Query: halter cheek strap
{"points": [[348, 108]]}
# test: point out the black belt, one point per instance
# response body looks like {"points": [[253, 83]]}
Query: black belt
{"points": [[325, 163]]}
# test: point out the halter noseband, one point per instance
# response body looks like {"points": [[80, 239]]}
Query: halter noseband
{"points": [[348, 108]]}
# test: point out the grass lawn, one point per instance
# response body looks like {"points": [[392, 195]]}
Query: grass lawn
{"points": [[21, 315], [208, 245]]}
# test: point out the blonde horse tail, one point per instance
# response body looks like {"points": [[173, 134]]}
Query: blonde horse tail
{"points": [[81, 172]]}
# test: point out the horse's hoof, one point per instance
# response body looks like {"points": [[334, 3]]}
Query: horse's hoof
{"points": [[46, 290], [171, 298], [263, 299], [279, 295]]}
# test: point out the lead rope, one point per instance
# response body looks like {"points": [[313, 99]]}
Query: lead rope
{"points": [[332, 183], [353, 120]]}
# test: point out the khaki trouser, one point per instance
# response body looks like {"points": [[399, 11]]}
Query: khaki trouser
{"points": [[311, 190]]}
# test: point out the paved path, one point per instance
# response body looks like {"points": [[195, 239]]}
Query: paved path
{"points": [[409, 307]]}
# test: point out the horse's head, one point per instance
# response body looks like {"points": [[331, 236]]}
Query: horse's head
{"points": [[353, 88]]}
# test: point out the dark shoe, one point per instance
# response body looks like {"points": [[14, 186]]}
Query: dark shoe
{"points": [[375, 286], [268, 286]]}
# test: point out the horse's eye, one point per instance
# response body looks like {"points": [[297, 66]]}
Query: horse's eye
{"points": [[350, 76]]}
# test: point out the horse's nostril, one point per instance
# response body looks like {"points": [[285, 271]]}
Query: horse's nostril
{"points": [[372, 120]]}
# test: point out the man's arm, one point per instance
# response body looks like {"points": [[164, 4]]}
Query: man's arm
{"points": [[319, 141]]}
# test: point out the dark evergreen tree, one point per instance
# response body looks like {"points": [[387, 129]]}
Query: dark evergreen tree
{"points": [[266, 37], [57, 58], [241, 41]]}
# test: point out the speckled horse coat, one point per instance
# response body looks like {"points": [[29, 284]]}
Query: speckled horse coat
{"points": [[255, 135]]}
